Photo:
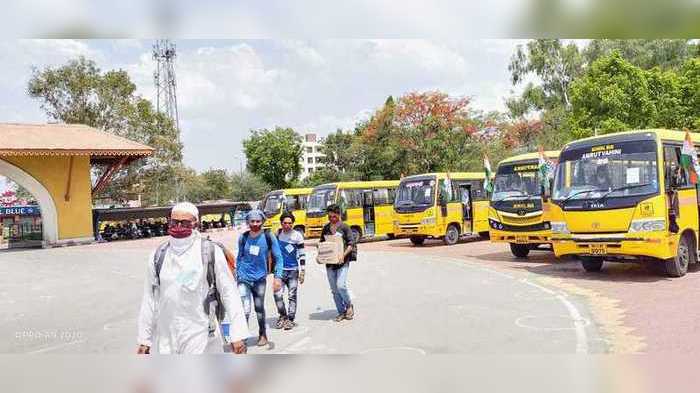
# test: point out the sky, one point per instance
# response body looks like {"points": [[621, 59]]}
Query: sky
{"points": [[228, 87]]}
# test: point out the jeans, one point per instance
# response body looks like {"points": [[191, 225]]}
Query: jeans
{"points": [[338, 281], [290, 279], [255, 289]]}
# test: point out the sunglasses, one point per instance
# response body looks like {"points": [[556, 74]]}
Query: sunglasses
{"points": [[182, 223]]}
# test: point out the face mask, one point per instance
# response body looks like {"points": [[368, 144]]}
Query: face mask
{"points": [[179, 232]]}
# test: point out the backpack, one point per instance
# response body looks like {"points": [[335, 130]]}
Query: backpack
{"points": [[268, 240], [208, 260]]}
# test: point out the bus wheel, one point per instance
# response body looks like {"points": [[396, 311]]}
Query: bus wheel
{"points": [[391, 236], [417, 240], [452, 235], [519, 250], [592, 264], [678, 265], [356, 234], [484, 235]]}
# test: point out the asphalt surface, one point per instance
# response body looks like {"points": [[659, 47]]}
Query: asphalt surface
{"points": [[463, 299]]}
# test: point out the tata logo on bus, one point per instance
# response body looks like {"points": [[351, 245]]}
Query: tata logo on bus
{"points": [[595, 205], [602, 151], [20, 211]]}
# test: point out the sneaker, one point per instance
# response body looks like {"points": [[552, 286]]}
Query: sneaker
{"points": [[350, 313], [262, 341], [339, 318], [281, 321], [289, 324]]}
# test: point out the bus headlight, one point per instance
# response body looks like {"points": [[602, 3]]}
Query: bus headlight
{"points": [[648, 225], [428, 221], [559, 227], [495, 224]]}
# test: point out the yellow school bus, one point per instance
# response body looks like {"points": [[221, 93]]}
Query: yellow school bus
{"points": [[624, 197], [518, 214], [367, 207], [292, 200], [438, 206]]}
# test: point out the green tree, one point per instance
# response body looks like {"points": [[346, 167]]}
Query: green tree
{"points": [[340, 153], [613, 95], [555, 63], [79, 92], [247, 187], [274, 155], [646, 54], [218, 184]]}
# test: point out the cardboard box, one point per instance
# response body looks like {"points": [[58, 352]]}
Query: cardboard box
{"points": [[330, 250]]}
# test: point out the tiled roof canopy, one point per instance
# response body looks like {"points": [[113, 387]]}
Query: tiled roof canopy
{"points": [[67, 140]]}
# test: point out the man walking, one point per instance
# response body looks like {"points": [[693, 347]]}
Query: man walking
{"points": [[187, 282], [255, 248], [292, 247], [338, 274]]}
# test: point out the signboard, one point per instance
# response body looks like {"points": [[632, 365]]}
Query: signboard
{"points": [[20, 211]]}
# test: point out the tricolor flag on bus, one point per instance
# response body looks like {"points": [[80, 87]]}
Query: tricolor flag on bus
{"points": [[546, 169], [488, 184], [689, 158]]}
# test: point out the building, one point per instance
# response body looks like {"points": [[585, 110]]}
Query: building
{"points": [[54, 163], [311, 157]]}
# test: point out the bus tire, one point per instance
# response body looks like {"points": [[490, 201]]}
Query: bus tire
{"points": [[685, 255], [485, 235], [519, 250], [356, 234], [417, 240], [391, 236], [451, 235], [592, 264]]}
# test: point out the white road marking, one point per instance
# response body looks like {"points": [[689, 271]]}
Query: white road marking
{"points": [[55, 347], [299, 345], [520, 322], [579, 321], [386, 349]]}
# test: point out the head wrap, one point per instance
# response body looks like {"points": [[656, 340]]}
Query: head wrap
{"points": [[186, 207], [255, 215]]}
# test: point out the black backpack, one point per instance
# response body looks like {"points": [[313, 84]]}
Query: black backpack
{"points": [[208, 260]]}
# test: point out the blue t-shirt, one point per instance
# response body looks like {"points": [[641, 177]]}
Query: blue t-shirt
{"points": [[251, 264], [292, 248]]}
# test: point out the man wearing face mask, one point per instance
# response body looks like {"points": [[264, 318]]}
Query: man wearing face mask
{"points": [[187, 282], [255, 248]]}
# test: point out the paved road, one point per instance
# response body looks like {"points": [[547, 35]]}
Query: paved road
{"points": [[85, 300]]}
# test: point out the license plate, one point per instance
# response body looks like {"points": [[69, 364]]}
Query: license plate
{"points": [[521, 239], [598, 249]]}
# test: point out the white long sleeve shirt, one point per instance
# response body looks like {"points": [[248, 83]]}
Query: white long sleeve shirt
{"points": [[175, 321]]}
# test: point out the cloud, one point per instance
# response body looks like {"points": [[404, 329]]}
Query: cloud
{"points": [[227, 87]]}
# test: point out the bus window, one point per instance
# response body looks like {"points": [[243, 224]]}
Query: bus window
{"points": [[381, 197]]}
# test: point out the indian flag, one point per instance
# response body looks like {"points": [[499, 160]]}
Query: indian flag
{"points": [[488, 184], [689, 158], [546, 169]]}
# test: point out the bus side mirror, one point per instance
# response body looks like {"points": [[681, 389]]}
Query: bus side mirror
{"points": [[546, 192], [442, 200]]}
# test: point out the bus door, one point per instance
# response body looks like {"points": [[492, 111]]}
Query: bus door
{"points": [[368, 213], [466, 201]]}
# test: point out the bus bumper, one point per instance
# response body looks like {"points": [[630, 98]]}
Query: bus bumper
{"points": [[531, 237], [625, 245]]}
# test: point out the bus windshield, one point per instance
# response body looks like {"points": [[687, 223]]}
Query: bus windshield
{"points": [[420, 192], [516, 181], [610, 170], [320, 199], [272, 204]]}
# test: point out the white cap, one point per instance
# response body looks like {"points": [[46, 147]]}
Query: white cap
{"points": [[186, 207]]}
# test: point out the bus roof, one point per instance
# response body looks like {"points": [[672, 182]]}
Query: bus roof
{"points": [[453, 175], [292, 191], [664, 134], [360, 184], [530, 156]]}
